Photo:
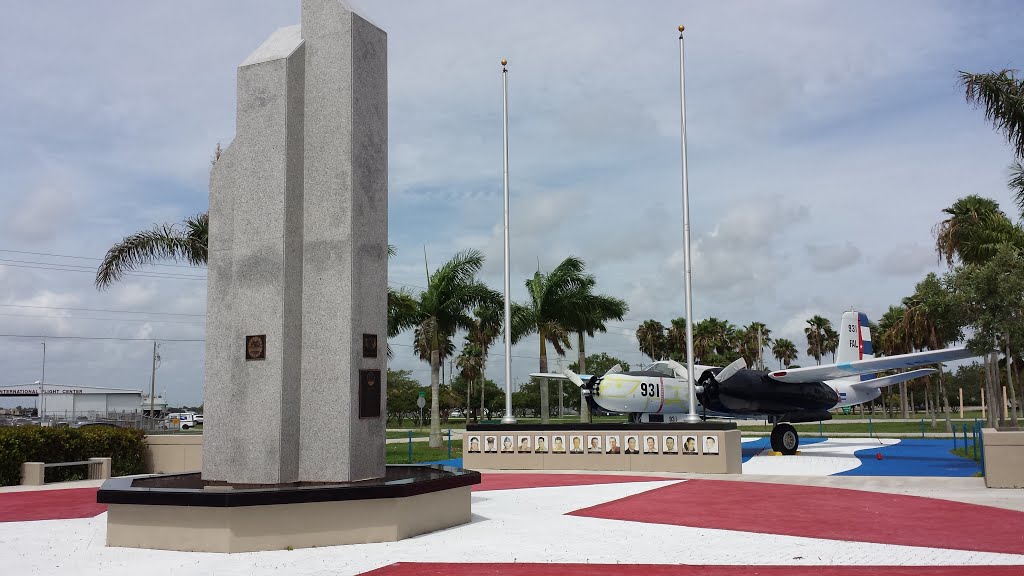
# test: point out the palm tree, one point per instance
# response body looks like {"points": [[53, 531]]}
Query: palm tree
{"points": [[471, 364], [929, 322], [974, 230], [595, 310], [651, 337], [443, 309], [753, 338], [488, 321], [785, 351], [552, 313], [816, 331], [187, 243], [892, 340], [831, 341], [676, 339]]}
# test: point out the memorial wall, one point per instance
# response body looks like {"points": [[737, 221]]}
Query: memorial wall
{"points": [[713, 448]]}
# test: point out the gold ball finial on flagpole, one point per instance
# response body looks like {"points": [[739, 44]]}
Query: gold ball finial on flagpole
{"points": [[681, 27], [504, 62]]}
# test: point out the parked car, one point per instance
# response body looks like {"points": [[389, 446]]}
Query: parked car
{"points": [[94, 424], [198, 418]]}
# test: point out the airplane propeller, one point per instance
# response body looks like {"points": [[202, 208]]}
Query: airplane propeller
{"points": [[728, 371], [575, 378], [680, 371]]}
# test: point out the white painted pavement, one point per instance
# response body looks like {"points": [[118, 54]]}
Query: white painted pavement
{"points": [[826, 458]]}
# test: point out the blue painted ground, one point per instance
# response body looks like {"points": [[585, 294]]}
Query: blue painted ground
{"points": [[910, 457], [456, 462], [914, 457]]}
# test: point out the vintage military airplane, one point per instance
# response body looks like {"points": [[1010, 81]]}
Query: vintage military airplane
{"points": [[660, 393]]}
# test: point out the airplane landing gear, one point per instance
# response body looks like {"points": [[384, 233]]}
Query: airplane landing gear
{"points": [[785, 439]]}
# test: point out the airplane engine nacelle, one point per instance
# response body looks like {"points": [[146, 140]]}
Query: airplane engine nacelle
{"points": [[753, 392]]}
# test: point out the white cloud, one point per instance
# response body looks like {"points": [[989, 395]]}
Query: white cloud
{"points": [[832, 257]]}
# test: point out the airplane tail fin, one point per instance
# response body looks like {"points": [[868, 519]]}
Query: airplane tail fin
{"points": [[854, 338]]}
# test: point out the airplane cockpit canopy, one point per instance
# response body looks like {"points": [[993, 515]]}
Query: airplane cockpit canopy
{"points": [[663, 368]]}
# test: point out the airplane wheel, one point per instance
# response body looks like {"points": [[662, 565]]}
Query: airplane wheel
{"points": [[785, 439]]}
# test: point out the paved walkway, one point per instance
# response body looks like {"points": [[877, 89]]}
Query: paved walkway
{"points": [[546, 524]]}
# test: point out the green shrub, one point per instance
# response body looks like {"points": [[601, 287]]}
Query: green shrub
{"points": [[124, 446]]}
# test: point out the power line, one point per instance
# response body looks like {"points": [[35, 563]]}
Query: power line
{"points": [[45, 337], [192, 322], [89, 258], [55, 267], [103, 310]]}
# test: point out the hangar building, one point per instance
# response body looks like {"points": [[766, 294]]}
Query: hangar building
{"points": [[69, 401]]}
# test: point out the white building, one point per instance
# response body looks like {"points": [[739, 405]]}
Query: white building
{"points": [[70, 401]]}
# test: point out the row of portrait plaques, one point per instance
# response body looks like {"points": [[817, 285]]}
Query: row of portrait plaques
{"points": [[592, 444]]}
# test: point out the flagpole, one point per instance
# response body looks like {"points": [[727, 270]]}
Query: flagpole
{"points": [[509, 418], [691, 384]]}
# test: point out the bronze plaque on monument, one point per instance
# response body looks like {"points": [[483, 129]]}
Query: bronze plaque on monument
{"points": [[256, 347], [369, 345], [369, 393]]}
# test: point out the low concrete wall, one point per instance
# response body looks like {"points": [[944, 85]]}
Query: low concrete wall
{"points": [[723, 455], [1004, 458], [171, 453], [277, 527]]}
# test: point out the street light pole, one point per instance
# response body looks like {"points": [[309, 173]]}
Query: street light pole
{"points": [[42, 383], [509, 418], [691, 384]]}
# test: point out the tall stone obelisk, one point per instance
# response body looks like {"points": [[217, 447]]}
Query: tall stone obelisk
{"points": [[297, 281]]}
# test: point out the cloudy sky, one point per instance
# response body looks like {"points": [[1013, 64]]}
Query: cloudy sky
{"points": [[824, 140]]}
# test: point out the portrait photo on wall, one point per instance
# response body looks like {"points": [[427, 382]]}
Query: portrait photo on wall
{"points": [[507, 444], [611, 445], [689, 445], [668, 445], [474, 444], [650, 444], [632, 445], [594, 445], [491, 444], [576, 445], [558, 444], [524, 444], [540, 445], [709, 444]]}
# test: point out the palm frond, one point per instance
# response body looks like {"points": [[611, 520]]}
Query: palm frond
{"points": [[1001, 96], [162, 242], [1016, 185]]}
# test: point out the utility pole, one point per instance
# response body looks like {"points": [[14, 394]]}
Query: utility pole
{"points": [[152, 384]]}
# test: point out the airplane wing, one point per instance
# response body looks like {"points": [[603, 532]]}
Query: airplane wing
{"points": [[830, 371], [894, 379], [558, 376]]}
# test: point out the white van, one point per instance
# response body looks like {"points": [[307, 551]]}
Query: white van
{"points": [[181, 420]]}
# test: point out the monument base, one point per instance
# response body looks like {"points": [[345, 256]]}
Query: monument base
{"points": [[182, 512]]}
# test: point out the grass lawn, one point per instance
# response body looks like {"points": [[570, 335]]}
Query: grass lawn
{"points": [[421, 452], [879, 426], [416, 433]]}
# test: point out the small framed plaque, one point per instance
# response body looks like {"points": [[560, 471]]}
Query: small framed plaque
{"points": [[369, 345], [256, 347], [369, 393]]}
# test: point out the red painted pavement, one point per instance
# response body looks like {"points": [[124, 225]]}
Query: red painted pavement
{"points": [[441, 569], [514, 481], [49, 505], [816, 512]]}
